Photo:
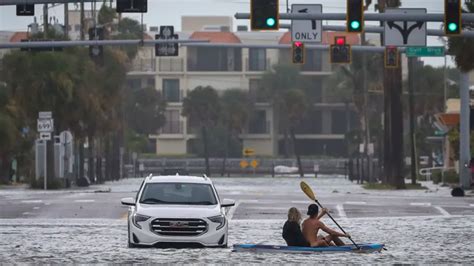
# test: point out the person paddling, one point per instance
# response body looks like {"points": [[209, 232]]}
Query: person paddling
{"points": [[311, 228]]}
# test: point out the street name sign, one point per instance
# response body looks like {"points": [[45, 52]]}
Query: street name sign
{"points": [[405, 33], [425, 51], [307, 31]]}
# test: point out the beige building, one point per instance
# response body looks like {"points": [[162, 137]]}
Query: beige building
{"points": [[322, 131]]}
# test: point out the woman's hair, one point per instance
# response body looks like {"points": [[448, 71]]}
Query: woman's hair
{"points": [[294, 215]]}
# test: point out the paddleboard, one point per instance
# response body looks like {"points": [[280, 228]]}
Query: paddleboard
{"points": [[364, 248]]}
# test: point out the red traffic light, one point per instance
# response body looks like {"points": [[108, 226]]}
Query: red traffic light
{"points": [[340, 40], [298, 44]]}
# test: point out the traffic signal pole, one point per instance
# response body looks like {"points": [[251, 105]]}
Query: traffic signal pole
{"points": [[464, 133], [411, 103]]}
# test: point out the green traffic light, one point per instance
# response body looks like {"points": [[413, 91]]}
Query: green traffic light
{"points": [[452, 26], [270, 22], [355, 25]]}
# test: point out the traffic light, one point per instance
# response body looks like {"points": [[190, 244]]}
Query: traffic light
{"points": [[340, 51], [25, 10], [452, 17], [96, 52], [391, 57], [355, 16], [298, 52], [264, 15], [132, 6]]}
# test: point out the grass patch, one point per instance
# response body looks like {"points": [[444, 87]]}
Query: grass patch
{"points": [[380, 186]]}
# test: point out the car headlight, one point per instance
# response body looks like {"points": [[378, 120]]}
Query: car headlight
{"points": [[218, 219], [139, 218]]}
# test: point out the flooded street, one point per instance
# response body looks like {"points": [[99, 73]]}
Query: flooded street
{"points": [[416, 226]]}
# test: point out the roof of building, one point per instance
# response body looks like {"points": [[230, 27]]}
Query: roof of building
{"points": [[215, 37], [328, 37], [18, 36]]}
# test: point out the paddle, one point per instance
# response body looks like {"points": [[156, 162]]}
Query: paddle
{"points": [[309, 192]]}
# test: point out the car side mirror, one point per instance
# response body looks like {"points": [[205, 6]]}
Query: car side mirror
{"points": [[128, 201], [227, 203]]}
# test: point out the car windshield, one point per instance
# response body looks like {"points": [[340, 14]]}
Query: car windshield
{"points": [[178, 193]]}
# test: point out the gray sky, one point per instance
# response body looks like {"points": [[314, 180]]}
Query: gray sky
{"points": [[169, 12]]}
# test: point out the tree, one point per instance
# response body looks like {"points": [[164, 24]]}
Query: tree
{"points": [[235, 114], [202, 108], [295, 107], [276, 83]]}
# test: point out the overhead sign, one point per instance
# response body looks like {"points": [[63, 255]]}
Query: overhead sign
{"points": [[308, 31], [425, 51], [25, 10], [248, 152], [405, 33], [166, 49]]}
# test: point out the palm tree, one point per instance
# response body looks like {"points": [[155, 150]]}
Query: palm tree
{"points": [[202, 108], [235, 114], [295, 107], [276, 83]]}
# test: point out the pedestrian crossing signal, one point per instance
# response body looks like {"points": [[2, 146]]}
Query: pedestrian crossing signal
{"points": [[391, 57]]}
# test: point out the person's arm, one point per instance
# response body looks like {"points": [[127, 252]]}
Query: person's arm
{"points": [[322, 213], [330, 231]]}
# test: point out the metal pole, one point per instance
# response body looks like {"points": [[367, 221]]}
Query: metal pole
{"points": [[66, 20], [411, 66], [83, 37], [433, 17], [464, 143], [45, 20]]}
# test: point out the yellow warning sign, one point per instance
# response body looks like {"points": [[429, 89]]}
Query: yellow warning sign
{"points": [[254, 163], [248, 152], [244, 164]]}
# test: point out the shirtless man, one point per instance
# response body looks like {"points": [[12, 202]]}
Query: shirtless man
{"points": [[311, 228]]}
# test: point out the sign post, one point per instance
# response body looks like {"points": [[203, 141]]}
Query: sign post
{"points": [[45, 128]]}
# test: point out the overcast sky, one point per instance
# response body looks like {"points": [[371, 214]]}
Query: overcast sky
{"points": [[169, 12]]}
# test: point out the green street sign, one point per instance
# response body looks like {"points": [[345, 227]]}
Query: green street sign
{"points": [[420, 51]]}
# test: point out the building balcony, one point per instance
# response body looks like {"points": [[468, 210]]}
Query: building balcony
{"points": [[141, 65], [171, 64], [172, 128]]}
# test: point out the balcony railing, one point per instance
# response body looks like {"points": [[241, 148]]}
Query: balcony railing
{"points": [[172, 127], [144, 65], [170, 64], [259, 128]]}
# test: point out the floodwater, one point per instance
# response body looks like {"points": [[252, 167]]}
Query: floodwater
{"points": [[408, 239]]}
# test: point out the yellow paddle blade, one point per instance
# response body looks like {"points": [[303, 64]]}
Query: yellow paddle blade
{"points": [[307, 190]]}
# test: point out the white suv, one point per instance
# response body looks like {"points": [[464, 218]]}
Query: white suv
{"points": [[177, 211]]}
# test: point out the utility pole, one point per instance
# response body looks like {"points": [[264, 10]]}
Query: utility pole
{"points": [[45, 20], [83, 35], [366, 112], [411, 85], [464, 133], [66, 20]]}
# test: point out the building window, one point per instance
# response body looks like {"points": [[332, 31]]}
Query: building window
{"points": [[172, 124], [214, 59], [257, 59], [256, 91], [150, 83], [338, 122], [77, 27], [134, 83], [258, 123], [313, 60], [171, 90]]}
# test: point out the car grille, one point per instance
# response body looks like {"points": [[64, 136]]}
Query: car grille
{"points": [[178, 227]]}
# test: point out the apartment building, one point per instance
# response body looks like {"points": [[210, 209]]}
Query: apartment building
{"points": [[321, 132]]}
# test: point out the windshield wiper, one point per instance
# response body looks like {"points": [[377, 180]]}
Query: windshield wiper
{"points": [[152, 200]]}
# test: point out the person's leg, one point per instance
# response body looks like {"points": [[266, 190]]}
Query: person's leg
{"points": [[337, 241], [321, 242]]}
